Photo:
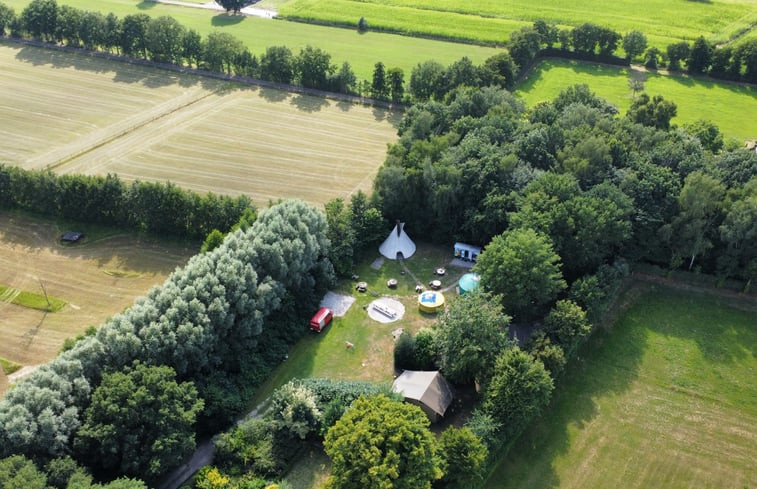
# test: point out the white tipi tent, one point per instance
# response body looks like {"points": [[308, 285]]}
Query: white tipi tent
{"points": [[397, 242]]}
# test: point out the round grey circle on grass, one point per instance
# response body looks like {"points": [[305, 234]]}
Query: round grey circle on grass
{"points": [[386, 310]]}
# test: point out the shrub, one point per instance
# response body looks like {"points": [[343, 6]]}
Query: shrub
{"points": [[404, 352]]}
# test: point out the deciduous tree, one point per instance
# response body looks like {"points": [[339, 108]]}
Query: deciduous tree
{"points": [[381, 443], [634, 44]]}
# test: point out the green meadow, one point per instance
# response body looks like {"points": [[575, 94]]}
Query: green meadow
{"points": [[362, 51], [663, 398], [663, 21], [729, 105]]}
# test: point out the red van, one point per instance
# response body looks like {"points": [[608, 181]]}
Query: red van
{"points": [[321, 319]]}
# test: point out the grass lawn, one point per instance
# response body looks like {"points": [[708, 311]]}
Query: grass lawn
{"points": [[30, 250], [363, 51], [665, 398], [30, 299], [663, 21], [85, 115], [728, 105], [325, 355]]}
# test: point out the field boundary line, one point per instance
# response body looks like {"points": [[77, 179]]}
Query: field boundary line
{"points": [[370, 102], [109, 139]]}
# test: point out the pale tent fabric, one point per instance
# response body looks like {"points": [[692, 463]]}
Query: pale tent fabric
{"points": [[428, 389], [397, 242]]}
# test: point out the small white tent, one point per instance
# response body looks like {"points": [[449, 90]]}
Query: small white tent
{"points": [[429, 390], [397, 242]]}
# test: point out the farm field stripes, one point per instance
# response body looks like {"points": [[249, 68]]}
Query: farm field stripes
{"points": [[362, 51], [202, 134], [730, 106], [663, 22], [665, 398], [30, 251]]}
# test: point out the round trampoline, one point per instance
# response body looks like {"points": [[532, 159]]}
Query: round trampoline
{"points": [[431, 301]]}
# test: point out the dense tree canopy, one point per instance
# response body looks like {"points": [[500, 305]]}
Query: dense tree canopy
{"points": [[523, 269], [140, 422], [382, 443]]}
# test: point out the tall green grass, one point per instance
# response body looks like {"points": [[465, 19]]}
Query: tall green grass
{"points": [[663, 21], [731, 106]]}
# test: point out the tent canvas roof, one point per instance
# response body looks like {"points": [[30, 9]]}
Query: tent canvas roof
{"points": [[429, 388], [397, 242]]}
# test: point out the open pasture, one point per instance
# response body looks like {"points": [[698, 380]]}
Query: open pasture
{"points": [[663, 21], [97, 278], [730, 106], [362, 51], [664, 398], [78, 114]]}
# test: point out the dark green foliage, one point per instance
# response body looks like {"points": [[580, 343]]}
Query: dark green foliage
{"points": [[362, 25], [60, 470], [233, 6], [655, 112], [213, 241], [313, 68], [520, 388], [463, 457], [524, 46], [426, 81], [470, 335], [486, 428], [277, 64], [552, 356], [40, 19], [567, 325], [133, 31], [379, 85], [380, 441], [140, 422], [707, 133], [589, 38], [652, 58], [677, 52], [249, 447], [700, 56], [499, 70], [523, 269], [396, 82], [404, 352], [634, 44], [164, 38], [154, 207], [746, 54], [19, 472], [7, 18], [425, 350]]}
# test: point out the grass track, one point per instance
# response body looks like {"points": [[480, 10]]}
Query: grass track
{"points": [[31, 300], [363, 51], [666, 398], [730, 106], [663, 21], [30, 249], [87, 115]]}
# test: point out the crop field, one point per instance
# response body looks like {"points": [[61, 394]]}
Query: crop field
{"points": [[362, 51], [664, 398], [663, 21], [78, 114], [97, 278], [728, 105]]}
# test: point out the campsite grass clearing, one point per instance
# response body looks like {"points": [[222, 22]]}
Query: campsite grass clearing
{"points": [[30, 251], [371, 358], [663, 398], [662, 21], [728, 105], [86, 115], [361, 50]]}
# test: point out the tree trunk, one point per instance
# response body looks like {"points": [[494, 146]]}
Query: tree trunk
{"points": [[691, 263]]}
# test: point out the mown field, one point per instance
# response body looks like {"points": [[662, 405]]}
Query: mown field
{"points": [[97, 278], [85, 115], [728, 105], [664, 398], [362, 51], [663, 21]]}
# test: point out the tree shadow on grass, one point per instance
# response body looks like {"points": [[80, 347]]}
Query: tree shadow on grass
{"points": [[146, 5], [607, 364], [152, 77], [274, 95], [225, 19], [308, 103]]}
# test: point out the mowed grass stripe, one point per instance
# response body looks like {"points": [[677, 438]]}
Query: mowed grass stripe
{"points": [[665, 398]]}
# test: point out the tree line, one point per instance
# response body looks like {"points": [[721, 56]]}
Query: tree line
{"points": [[129, 399], [160, 208]]}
